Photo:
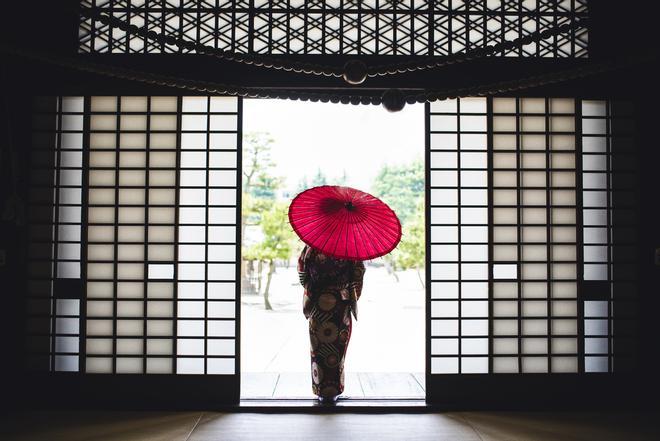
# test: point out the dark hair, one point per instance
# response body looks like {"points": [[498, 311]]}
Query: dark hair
{"points": [[327, 270]]}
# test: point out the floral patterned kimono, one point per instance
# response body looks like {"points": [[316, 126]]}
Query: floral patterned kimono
{"points": [[332, 288]]}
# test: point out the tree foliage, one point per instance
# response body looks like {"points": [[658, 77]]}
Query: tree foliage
{"points": [[261, 208], [257, 160], [409, 254], [303, 184], [401, 187], [259, 184], [412, 242], [320, 178], [276, 244], [278, 236]]}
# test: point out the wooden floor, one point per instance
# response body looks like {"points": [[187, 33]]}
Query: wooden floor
{"points": [[213, 426], [357, 385]]}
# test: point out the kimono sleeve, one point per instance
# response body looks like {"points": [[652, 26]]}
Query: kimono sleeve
{"points": [[357, 277], [302, 273]]}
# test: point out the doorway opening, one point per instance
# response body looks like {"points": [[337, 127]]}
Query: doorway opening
{"points": [[288, 147]]}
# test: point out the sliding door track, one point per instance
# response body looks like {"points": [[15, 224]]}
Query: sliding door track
{"points": [[306, 405]]}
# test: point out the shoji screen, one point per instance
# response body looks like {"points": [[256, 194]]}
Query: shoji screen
{"points": [[54, 290], [534, 252], [207, 236], [458, 217], [144, 235], [609, 238], [530, 237]]}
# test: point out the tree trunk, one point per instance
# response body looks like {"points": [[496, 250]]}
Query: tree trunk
{"points": [[390, 269], [419, 276], [247, 278], [260, 266], [271, 270]]}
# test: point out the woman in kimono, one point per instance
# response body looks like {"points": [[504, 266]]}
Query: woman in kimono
{"points": [[332, 288]]}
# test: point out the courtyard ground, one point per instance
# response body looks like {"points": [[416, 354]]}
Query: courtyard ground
{"points": [[388, 338]]}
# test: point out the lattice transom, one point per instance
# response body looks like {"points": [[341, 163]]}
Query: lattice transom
{"points": [[366, 27]]}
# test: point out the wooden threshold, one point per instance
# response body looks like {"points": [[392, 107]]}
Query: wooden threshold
{"points": [[349, 405]]}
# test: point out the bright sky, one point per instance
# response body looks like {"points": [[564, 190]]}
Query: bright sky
{"points": [[336, 137]]}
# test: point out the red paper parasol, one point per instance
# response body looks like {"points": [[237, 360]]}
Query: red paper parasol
{"points": [[344, 223]]}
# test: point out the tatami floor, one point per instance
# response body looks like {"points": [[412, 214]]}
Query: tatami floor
{"points": [[212, 426]]}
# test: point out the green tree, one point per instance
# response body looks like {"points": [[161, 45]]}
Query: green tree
{"points": [[259, 185], [409, 254], [256, 156], [276, 244], [319, 179], [341, 180], [259, 191], [401, 186], [265, 186], [303, 185]]}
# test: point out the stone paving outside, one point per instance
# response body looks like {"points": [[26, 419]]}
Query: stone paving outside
{"points": [[387, 337]]}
